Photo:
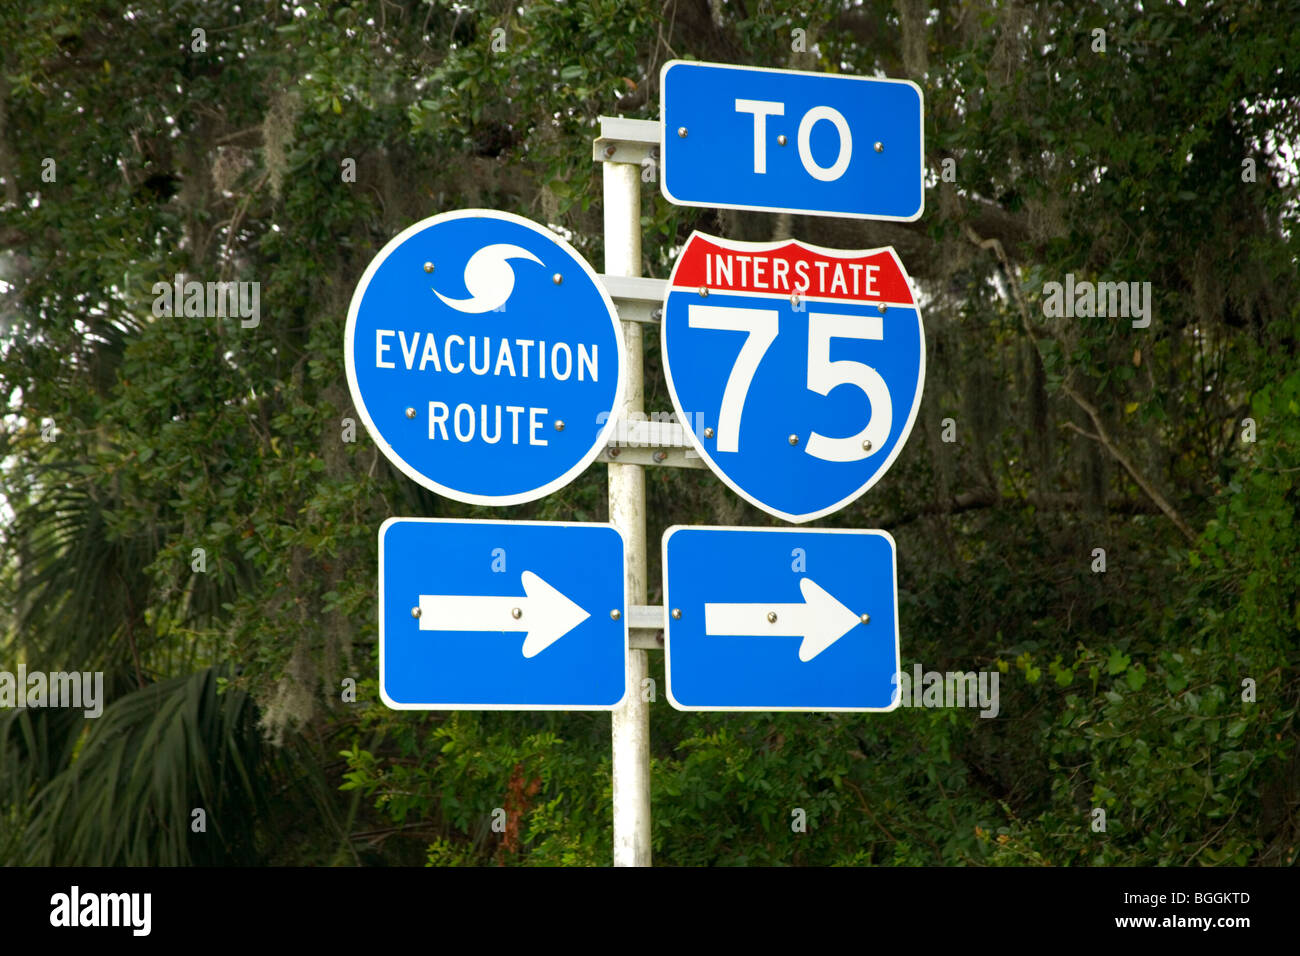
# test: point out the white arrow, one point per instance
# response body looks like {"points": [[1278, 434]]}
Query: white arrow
{"points": [[819, 619], [544, 614]]}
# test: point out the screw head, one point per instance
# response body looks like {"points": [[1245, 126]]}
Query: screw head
{"points": [[883, 308], [866, 444], [559, 425], [557, 278], [428, 267], [516, 613], [609, 150], [704, 292], [793, 439], [865, 618], [660, 455], [613, 452], [677, 614], [410, 413], [615, 614], [415, 612], [771, 617], [780, 140], [708, 433], [681, 131], [880, 147]]}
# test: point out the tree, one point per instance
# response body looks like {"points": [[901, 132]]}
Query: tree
{"points": [[194, 139]]}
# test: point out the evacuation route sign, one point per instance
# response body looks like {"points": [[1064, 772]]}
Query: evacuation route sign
{"points": [[484, 357]]}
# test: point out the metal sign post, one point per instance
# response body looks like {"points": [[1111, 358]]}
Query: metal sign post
{"points": [[623, 146]]}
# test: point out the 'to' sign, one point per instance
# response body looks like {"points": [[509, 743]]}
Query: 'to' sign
{"points": [[739, 137]]}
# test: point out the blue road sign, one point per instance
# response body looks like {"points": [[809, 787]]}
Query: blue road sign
{"points": [[495, 615], [795, 370], [777, 619], [484, 357], [740, 137]]}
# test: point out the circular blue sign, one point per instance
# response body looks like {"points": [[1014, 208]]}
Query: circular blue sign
{"points": [[484, 357]]}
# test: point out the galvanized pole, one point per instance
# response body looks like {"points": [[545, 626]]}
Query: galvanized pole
{"points": [[631, 720]]}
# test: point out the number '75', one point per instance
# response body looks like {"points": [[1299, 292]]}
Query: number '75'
{"points": [[823, 374]]}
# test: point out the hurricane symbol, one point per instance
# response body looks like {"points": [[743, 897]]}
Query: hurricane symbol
{"points": [[489, 278]]}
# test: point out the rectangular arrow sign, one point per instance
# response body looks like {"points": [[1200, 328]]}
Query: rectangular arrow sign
{"points": [[743, 137], [501, 615], [770, 619]]}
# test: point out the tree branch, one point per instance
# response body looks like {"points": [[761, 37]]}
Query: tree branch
{"points": [[1102, 435]]}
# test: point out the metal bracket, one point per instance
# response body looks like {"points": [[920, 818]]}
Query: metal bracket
{"points": [[626, 141], [637, 299], [651, 442], [645, 627]]}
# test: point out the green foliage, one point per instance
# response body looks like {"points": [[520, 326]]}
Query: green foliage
{"points": [[1120, 690]]}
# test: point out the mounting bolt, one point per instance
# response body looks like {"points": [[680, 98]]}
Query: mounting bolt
{"points": [[780, 140], [681, 131], [771, 617], [883, 308], [880, 147], [708, 433], [677, 614], [866, 444], [415, 612], [428, 267], [704, 292], [410, 413], [559, 425], [657, 314], [516, 613], [793, 439], [865, 618], [609, 150], [660, 455], [615, 614], [557, 278], [613, 452]]}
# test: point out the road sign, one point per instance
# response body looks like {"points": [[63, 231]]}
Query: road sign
{"points": [[741, 137], [795, 370], [484, 357], [493, 615], [777, 619]]}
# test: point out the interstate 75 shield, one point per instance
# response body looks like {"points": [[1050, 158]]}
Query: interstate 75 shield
{"points": [[796, 370]]}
